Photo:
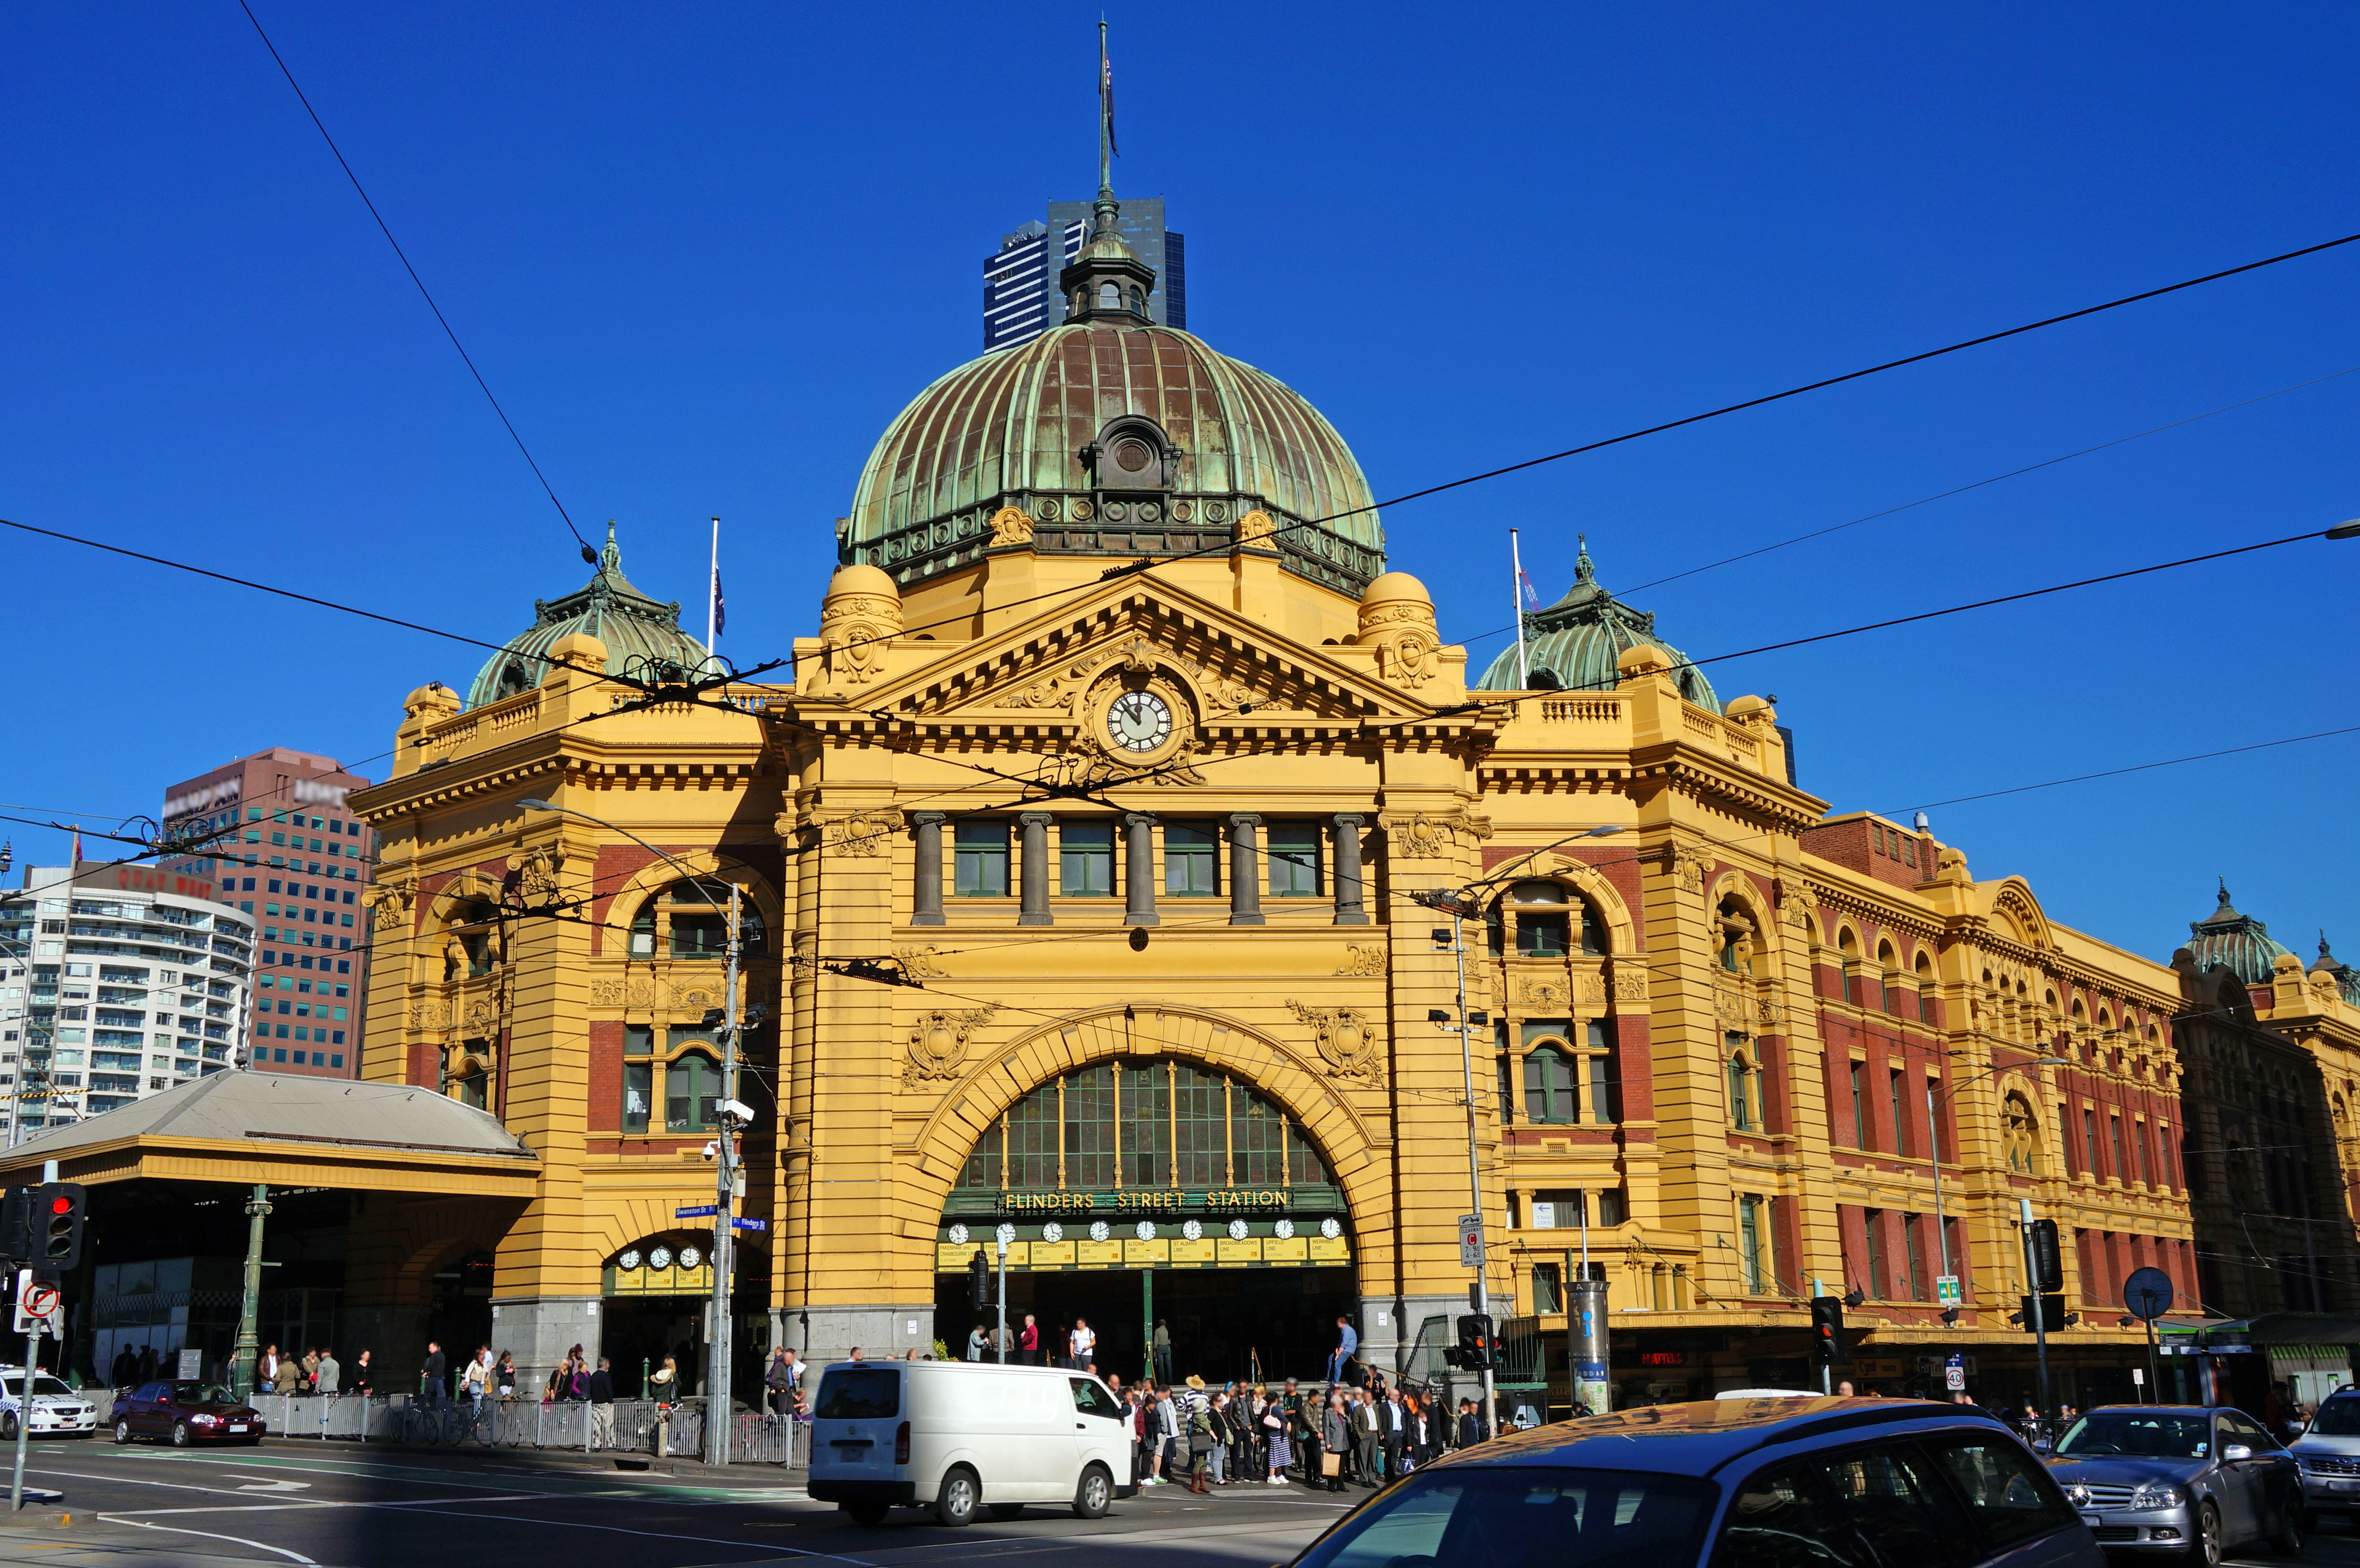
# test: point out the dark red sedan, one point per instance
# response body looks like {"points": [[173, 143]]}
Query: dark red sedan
{"points": [[187, 1412]]}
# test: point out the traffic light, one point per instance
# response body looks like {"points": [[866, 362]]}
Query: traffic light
{"points": [[58, 1211], [979, 1281], [2048, 1264], [1827, 1332], [18, 1242], [2051, 1314], [1478, 1348]]}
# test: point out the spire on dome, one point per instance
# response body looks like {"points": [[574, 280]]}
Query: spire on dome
{"points": [[1106, 281]]}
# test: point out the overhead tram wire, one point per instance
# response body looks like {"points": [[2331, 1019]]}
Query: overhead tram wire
{"points": [[587, 553], [1148, 563]]}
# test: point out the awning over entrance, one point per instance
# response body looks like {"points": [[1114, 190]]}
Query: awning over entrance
{"points": [[291, 1131], [2268, 1329]]}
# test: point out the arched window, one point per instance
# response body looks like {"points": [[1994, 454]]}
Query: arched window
{"points": [[1543, 920], [1739, 937], [1925, 1010], [692, 1088], [1848, 954], [472, 1088], [516, 676], [1551, 1092], [1744, 1086], [1152, 1124], [1109, 297], [477, 944], [1886, 964], [680, 920]]}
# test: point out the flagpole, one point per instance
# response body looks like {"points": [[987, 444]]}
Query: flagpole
{"points": [[1106, 117], [712, 595], [1516, 600]]}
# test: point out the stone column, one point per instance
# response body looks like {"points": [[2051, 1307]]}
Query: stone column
{"points": [[1035, 869], [1139, 869], [1351, 901], [926, 895], [1245, 870]]}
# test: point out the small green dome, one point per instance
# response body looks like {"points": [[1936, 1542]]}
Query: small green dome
{"points": [[1120, 438], [1574, 644], [2239, 944], [2347, 979], [633, 627]]}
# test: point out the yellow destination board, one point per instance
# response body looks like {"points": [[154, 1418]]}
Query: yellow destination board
{"points": [[1246, 1251], [1185, 1251], [1147, 1251], [1101, 1253], [1294, 1249], [1053, 1255]]}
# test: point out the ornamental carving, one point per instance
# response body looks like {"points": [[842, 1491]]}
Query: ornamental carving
{"points": [[1546, 996], [1592, 988], [853, 629], [1630, 987], [1685, 865], [1409, 650], [1010, 526], [1425, 837], [429, 1015], [392, 902], [1057, 690], [920, 963], [1253, 527], [1362, 961], [857, 834], [937, 1043], [537, 873], [1342, 1034]]}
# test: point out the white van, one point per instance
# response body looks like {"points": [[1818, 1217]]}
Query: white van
{"points": [[955, 1436]]}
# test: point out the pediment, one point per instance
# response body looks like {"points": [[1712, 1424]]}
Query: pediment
{"points": [[1230, 667], [2017, 914]]}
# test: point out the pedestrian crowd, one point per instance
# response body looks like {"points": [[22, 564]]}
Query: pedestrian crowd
{"points": [[1201, 1436]]}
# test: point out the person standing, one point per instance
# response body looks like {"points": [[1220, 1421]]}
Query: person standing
{"points": [[1470, 1425], [364, 1379], [1335, 1442], [1367, 1439], [1167, 1431], [1162, 1348], [504, 1376], [1393, 1432], [430, 1376], [601, 1390], [328, 1378], [1281, 1445], [777, 1382], [472, 1378], [978, 1343], [1085, 1347], [1028, 1342], [266, 1370], [1348, 1342]]}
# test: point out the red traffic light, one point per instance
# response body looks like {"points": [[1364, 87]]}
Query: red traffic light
{"points": [[61, 1205]]}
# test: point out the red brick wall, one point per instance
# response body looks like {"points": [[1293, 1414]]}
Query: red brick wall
{"points": [[606, 1087]]}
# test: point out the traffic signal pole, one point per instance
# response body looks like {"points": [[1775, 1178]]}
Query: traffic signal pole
{"points": [[718, 1423], [1482, 1299], [2035, 1299]]}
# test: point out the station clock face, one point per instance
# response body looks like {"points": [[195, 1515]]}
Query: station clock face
{"points": [[1237, 1230], [630, 1258], [1283, 1229], [958, 1236], [1192, 1231], [1053, 1231], [1147, 1230], [690, 1257], [1139, 720], [1331, 1227], [1100, 1230], [659, 1257], [1005, 1233]]}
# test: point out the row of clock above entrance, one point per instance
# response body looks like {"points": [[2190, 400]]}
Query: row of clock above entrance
{"points": [[1244, 855], [958, 1234]]}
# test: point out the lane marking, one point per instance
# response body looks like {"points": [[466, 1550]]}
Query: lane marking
{"points": [[257, 1545]]}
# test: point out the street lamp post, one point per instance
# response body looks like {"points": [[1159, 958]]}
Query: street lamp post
{"points": [[723, 1345]]}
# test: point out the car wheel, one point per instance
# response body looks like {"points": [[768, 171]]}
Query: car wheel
{"points": [[2286, 1536], [2205, 1551], [122, 1429], [1096, 1490], [1006, 1510], [180, 1435], [955, 1504], [8, 1426], [868, 1514]]}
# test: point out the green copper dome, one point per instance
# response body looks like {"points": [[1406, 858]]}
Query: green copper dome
{"points": [[632, 625], [1117, 437], [2347, 979], [2239, 944], [1573, 645]]}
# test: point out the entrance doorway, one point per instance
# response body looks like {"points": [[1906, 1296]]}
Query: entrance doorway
{"points": [[640, 1331], [1224, 1322]]}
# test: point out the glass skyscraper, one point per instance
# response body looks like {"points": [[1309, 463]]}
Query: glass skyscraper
{"points": [[1020, 284]]}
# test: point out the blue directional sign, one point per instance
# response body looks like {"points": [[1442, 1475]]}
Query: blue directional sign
{"points": [[743, 1223], [703, 1212]]}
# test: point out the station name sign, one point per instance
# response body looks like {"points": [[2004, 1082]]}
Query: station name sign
{"points": [[1147, 1200]]}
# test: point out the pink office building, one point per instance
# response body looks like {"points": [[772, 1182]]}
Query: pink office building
{"points": [[296, 862]]}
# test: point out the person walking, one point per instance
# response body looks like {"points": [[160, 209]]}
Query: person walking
{"points": [[1161, 1344], [1348, 1342], [265, 1369], [1167, 1431], [1393, 1432], [1335, 1442], [429, 1375], [599, 1387], [1201, 1447], [473, 1378], [1085, 1347], [1279, 1452], [777, 1381]]}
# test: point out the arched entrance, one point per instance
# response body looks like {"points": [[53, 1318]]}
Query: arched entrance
{"points": [[1149, 1190]]}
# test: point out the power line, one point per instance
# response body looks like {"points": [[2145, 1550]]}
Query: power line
{"points": [[587, 553]]}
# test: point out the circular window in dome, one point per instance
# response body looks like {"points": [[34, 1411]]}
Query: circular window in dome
{"points": [[1149, 511], [1132, 455], [1219, 511], [1183, 511]]}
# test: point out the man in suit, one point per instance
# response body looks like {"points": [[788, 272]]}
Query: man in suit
{"points": [[602, 1404], [1470, 1425], [1393, 1430]]}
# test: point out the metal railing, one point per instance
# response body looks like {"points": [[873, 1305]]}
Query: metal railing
{"points": [[626, 1426]]}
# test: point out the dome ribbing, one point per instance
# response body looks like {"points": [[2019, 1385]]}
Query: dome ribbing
{"points": [[632, 625], [1575, 643]]}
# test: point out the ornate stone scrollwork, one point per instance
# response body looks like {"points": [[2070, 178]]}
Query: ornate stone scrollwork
{"points": [[937, 1043], [1345, 1041], [920, 963], [1010, 526], [1254, 528], [1362, 961], [861, 613], [1423, 837], [1630, 987], [538, 871], [392, 902], [1546, 996], [858, 833]]}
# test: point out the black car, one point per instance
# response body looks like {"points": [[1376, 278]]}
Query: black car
{"points": [[187, 1411]]}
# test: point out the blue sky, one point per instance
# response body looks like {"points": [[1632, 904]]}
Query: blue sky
{"points": [[704, 253]]}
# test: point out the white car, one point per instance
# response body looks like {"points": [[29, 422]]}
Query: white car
{"points": [[57, 1410]]}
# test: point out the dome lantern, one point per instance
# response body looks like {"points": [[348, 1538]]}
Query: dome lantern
{"points": [[1578, 644], [634, 628], [2239, 944]]}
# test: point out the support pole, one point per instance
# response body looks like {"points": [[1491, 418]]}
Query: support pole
{"points": [[1002, 1341], [24, 1421], [1147, 1325], [725, 1204], [249, 1312], [2036, 1308], [1482, 1297]]}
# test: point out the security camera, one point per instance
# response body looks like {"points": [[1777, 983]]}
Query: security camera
{"points": [[712, 1151], [737, 1111]]}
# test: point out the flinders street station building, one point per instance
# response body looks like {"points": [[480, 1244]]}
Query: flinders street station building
{"points": [[1080, 854]]}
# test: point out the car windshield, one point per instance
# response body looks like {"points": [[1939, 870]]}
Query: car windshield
{"points": [[1477, 1517], [202, 1394], [41, 1386], [860, 1393], [2144, 1435], [2337, 1418]]}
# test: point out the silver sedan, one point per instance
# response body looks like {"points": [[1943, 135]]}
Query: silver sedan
{"points": [[2181, 1479]]}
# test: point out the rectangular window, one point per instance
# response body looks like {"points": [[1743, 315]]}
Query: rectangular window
{"points": [[1605, 1100], [1295, 860], [1086, 859], [981, 849], [1900, 1112], [1859, 1107], [1750, 1238], [1740, 1098], [1913, 1246], [336, 1059], [1549, 1093], [1873, 1226], [1191, 860], [2115, 1126], [1613, 1206], [639, 1093], [2089, 1142], [1549, 1293], [1507, 1066], [1089, 1128], [638, 1040], [1146, 1126]]}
